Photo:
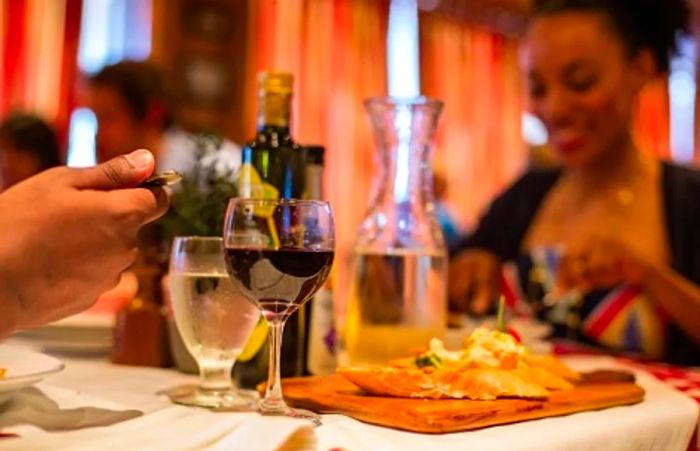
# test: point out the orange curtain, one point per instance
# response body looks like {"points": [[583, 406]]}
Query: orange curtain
{"points": [[337, 52], [38, 57], [652, 127], [4, 33], [479, 144]]}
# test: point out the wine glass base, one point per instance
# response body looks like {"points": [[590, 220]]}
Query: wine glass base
{"points": [[286, 411], [229, 400]]}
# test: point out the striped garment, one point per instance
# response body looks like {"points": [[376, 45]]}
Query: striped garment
{"points": [[622, 318]]}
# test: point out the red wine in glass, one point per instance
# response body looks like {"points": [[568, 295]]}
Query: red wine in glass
{"points": [[279, 280]]}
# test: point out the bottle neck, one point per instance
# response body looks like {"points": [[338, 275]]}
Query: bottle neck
{"points": [[314, 181], [407, 177], [274, 111], [402, 212]]}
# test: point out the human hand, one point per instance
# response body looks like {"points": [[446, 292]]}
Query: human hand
{"points": [[474, 281], [600, 263], [68, 234]]}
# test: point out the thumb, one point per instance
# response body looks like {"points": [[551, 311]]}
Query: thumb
{"points": [[126, 171]]}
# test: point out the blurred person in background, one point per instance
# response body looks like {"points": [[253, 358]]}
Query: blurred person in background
{"points": [[612, 239], [28, 145], [132, 105]]}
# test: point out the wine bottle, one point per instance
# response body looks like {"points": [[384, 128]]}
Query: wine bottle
{"points": [[314, 159], [273, 166], [272, 163], [320, 355]]}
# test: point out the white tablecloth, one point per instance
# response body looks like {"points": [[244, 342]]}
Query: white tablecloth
{"points": [[665, 421]]}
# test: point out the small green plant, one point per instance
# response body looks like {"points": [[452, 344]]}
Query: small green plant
{"points": [[198, 202]]}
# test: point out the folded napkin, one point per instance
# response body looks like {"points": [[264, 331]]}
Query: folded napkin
{"points": [[180, 428], [33, 407], [173, 428], [62, 419]]}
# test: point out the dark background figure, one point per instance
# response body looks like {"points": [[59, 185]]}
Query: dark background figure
{"points": [[132, 103], [129, 102], [28, 145]]}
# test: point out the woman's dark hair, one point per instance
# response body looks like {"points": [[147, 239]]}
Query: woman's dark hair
{"points": [[29, 133], [641, 24], [140, 84]]}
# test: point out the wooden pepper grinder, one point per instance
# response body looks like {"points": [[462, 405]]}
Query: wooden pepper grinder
{"points": [[140, 333]]}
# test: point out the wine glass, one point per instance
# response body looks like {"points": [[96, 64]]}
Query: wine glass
{"points": [[214, 320], [279, 252]]}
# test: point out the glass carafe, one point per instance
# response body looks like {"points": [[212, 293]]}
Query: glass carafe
{"points": [[398, 289]]}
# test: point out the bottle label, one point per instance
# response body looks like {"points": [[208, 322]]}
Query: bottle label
{"points": [[251, 185], [321, 355], [255, 342]]}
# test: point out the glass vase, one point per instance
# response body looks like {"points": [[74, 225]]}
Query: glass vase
{"points": [[398, 289]]}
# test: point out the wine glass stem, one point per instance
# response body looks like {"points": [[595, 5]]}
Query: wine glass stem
{"points": [[273, 394], [215, 375]]}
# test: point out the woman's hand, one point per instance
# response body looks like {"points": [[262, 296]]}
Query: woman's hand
{"points": [[603, 263], [474, 281], [600, 263]]}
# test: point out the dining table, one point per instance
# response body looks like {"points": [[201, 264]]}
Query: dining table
{"points": [[94, 404]]}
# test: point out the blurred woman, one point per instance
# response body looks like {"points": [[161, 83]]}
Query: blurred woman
{"points": [[28, 145], [612, 239]]}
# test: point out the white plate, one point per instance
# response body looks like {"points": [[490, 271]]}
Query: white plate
{"points": [[24, 368], [83, 334]]}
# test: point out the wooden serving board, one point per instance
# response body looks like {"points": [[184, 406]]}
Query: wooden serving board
{"points": [[334, 394]]}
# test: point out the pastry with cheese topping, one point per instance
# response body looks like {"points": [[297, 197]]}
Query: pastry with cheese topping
{"points": [[491, 365]]}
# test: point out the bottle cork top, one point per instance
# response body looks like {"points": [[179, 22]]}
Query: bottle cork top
{"points": [[277, 82]]}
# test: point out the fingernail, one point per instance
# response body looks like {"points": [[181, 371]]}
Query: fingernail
{"points": [[140, 159]]}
